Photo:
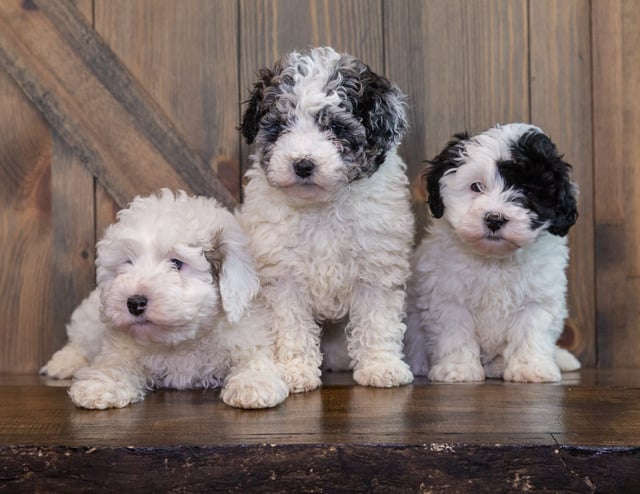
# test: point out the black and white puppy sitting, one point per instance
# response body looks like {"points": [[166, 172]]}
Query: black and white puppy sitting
{"points": [[488, 293], [327, 210]]}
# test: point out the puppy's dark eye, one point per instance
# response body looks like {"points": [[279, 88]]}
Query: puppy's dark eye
{"points": [[337, 129], [128, 261], [477, 187], [177, 263]]}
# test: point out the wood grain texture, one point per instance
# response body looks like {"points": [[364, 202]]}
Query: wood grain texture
{"points": [[74, 237], [463, 64], [579, 436], [185, 56], [73, 227], [560, 89], [269, 29], [95, 104], [616, 116], [25, 232]]}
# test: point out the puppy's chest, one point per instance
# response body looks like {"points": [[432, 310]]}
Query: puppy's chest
{"points": [[327, 257], [184, 369]]}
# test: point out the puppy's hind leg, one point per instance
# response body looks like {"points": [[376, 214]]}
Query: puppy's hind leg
{"points": [[530, 353], [375, 336]]}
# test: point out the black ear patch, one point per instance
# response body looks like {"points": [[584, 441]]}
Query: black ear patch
{"points": [[537, 169], [447, 159], [256, 104], [382, 110]]}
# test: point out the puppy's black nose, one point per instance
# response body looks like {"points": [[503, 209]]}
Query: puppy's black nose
{"points": [[494, 221], [137, 304], [304, 168]]}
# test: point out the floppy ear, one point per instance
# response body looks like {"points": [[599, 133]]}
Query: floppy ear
{"points": [[255, 106], [234, 268], [382, 109], [566, 213], [544, 161], [448, 159]]}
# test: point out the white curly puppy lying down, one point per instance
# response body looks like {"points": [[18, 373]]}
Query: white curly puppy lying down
{"points": [[173, 276], [488, 293]]}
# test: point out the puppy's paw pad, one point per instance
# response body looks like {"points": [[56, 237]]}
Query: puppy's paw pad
{"points": [[254, 390], [101, 394], [383, 374], [451, 372], [300, 377], [535, 372]]}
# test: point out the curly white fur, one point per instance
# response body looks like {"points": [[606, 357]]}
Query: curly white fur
{"points": [[488, 291], [333, 239], [174, 276]]}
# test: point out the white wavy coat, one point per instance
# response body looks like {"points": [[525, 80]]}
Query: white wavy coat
{"points": [[162, 248]]}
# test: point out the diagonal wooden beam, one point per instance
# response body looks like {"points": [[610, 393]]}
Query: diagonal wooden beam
{"points": [[96, 105]]}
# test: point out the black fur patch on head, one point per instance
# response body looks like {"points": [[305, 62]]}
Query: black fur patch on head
{"points": [[380, 106], [256, 108], [369, 120], [449, 158], [537, 171]]}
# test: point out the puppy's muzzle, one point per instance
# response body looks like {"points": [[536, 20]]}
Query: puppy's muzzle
{"points": [[494, 221], [137, 304], [304, 168]]}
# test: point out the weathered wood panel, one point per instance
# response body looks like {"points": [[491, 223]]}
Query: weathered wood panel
{"points": [[73, 254], [64, 68], [185, 56], [25, 232], [463, 64], [73, 226], [616, 120], [560, 89]]}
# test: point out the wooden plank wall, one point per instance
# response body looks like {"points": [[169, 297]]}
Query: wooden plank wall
{"points": [[570, 66]]}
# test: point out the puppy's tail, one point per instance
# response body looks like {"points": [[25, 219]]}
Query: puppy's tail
{"points": [[566, 360]]}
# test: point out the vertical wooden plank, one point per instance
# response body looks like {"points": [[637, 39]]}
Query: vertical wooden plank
{"points": [[615, 26], [609, 187], [561, 105], [463, 65], [73, 227], [25, 232], [270, 29], [185, 54]]}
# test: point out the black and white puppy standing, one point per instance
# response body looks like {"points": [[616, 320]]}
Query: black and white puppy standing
{"points": [[327, 210], [488, 293]]}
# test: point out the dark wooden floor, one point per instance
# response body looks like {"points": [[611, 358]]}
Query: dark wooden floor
{"points": [[582, 435]]}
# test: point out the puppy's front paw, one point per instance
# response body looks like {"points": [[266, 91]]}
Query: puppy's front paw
{"points": [[252, 389], [99, 392], [532, 371], [450, 372], [300, 376], [64, 363], [386, 373]]}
